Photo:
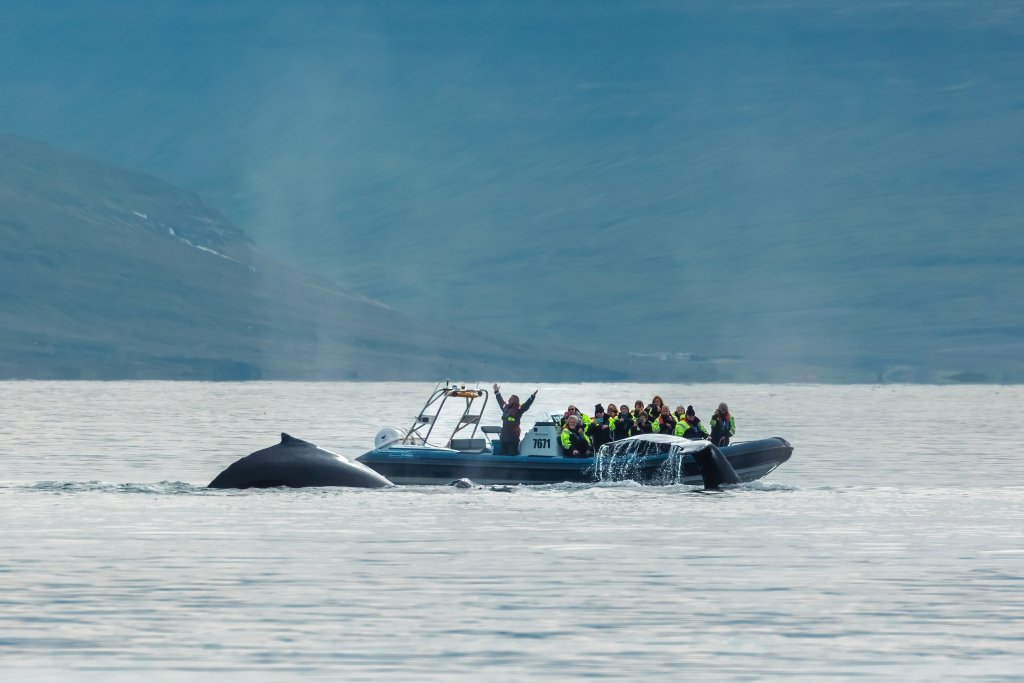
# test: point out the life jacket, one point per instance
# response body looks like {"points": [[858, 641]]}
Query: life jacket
{"points": [[574, 439], [691, 430], [663, 425], [510, 414], [723, 427], [620, 426], [638, 428], [582, 417]]}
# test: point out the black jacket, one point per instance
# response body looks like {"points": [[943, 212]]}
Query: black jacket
{"points": [[623, 423], [638, 429], [598, 433]]}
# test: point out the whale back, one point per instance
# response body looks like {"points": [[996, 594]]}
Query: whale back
{"points": [[297, 464]]}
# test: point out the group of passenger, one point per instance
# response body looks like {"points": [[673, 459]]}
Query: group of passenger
{"points": [[583, 435]]}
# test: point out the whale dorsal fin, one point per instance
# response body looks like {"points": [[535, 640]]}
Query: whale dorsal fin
{"points": [[289, 440]]}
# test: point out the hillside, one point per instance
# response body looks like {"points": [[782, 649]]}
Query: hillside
{"points": [[108, 273], [756, 191]]}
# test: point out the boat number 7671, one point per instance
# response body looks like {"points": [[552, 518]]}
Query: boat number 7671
{"points": [[542, 443]]}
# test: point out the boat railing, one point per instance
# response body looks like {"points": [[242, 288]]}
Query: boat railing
{"points": [[427, 419]]}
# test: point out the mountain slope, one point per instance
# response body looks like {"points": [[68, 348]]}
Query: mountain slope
{"points": [[808, 189], [112, 273]]}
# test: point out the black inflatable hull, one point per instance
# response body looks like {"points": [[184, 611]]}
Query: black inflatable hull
{"points": [[749, 461], [297, 464]]}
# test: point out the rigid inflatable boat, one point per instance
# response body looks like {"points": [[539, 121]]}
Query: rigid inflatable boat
{"points": [[416, 456]]}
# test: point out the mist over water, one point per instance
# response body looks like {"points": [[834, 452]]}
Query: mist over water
{"points": [[814, 190], [891, 545]]}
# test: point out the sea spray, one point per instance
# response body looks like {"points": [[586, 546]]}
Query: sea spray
{"points": [[626, 460]]}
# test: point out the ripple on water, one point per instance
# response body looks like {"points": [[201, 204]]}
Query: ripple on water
{"points": [[893, 554]]}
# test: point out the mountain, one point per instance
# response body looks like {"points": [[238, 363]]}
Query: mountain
{"points": [[110, 273], [813, 189]]}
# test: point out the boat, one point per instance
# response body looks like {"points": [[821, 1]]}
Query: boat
{"points": [[470, 450]]}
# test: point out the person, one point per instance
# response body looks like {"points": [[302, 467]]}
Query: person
{"points": [[612, 411], [641, 424], [654, 410], [574, 440], [723, 426], [680, 414], [638, 407], [511, 414], [623, 423], [599, 430], [573, 410], [665, 423], [690, 427]]}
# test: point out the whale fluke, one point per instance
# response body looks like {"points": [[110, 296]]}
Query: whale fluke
{"points": [[297, 464], [714, 467]]}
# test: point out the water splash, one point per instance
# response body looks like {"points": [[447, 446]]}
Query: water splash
{"points": [[653, 459]]}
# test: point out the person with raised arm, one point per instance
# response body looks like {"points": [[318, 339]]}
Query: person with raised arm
{"points": [[511, 415]]}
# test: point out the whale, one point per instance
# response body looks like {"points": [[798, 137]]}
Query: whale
{"points": [[715, 469], [297, 464]]}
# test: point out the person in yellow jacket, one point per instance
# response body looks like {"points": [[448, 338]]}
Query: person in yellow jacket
{"points": [[690, 427], [665, 423], [574, 439], [573, 410]]}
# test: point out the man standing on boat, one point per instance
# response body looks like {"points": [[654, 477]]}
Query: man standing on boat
{"points": [[511, 414]]}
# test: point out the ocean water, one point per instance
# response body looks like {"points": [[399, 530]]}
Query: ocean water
{"points": [[891, 546]]}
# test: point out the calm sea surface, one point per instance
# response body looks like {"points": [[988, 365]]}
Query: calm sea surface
{"points": [[890, 547]]}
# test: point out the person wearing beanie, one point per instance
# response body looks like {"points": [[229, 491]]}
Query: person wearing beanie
{"points": [[690, 427], [599, 428]]}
